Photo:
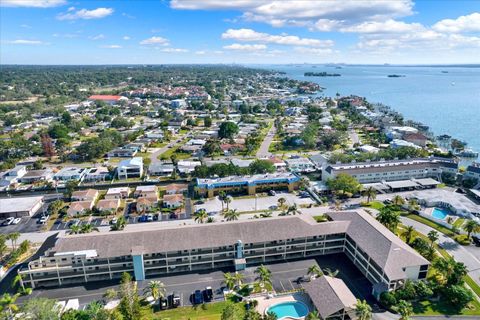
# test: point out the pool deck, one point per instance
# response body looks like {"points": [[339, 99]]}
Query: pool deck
{"points": [[429, 212], [264, 301]]}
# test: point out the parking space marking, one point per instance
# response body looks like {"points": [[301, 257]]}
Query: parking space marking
{"points": [[293, 288]]}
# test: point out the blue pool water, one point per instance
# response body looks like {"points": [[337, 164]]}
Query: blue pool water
{"points": [[440, 213], [294, 309]]}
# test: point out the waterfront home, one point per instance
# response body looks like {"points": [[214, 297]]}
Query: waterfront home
{"points": [[418, 139], [85, 195], [130, 168], [117, 193], [70, 174]]}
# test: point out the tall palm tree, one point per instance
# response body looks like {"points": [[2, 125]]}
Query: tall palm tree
{"points": [[227, 201], [281, 202], [331, 273], [408, 234], [238, 277], [231, 215], [432, 236], [389, 218], [315, 271], [470, 227], [405, 309], [156, 289], [398, 200], [363, 310], [270, 316], [313, 315], [222, 196], [370, 193], [13, 237], [264, 275], [293, 209], [200, 216]]}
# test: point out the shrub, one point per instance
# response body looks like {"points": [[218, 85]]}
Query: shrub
{"points": [[407, 293], [388, 299], [423, 290], [463, 239]]}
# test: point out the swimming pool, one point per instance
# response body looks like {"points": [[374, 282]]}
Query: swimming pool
{"points": [[440, 213], [291, 309]]}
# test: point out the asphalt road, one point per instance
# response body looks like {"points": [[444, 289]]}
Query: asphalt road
{"points": [[263, 149]]}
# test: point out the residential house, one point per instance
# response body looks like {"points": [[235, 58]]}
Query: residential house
{"points": [[161, 169], [85, 195], [146, 204], [300, 165], [146, 192], [418, 139], [122, 153], [110, 205], [117, 193], [130, 168], [187, 167], [176, 188], [33, 176], [70, 174], [97, 174], [79, 207], [173, 201]]}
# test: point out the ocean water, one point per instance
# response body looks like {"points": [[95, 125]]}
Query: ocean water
{"points": [[449, 103]]}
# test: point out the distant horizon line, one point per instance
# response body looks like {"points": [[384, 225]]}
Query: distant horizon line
{"points": [[476, 64]]}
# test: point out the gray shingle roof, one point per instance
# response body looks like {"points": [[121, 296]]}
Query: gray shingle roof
{"points": [[329, 295]]}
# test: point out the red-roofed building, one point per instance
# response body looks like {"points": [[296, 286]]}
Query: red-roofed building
{"points": [[106, 98]]}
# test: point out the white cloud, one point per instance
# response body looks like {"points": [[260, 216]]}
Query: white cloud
{"points": [[111, 46], [246, 47], [200, 52], [303, 12], [27, 42], [86, 14], [284, 39], [388, 26], [315, 51], [174, 50], [32, 3], [155, 41], [468, 23], [126, 38], [71, 9], [97, 37]]}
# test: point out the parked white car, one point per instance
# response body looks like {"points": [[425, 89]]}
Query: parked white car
{"points": [[17, 220], [9, 221]]}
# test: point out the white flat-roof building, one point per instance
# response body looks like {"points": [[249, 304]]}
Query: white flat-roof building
{"points": [[130, 168], [20, 207]]}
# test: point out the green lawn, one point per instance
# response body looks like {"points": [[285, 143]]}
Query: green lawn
{"points": [[432, 224], [458, 223], [211, 311], [431, 308], [374, 205]]}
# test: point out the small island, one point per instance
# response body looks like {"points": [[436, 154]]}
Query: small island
{"points": [[321, 74], [396, 76]]}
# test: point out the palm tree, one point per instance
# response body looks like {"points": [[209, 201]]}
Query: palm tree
{"points": [[405, 309], [119, 225], [408, 234], [270, 316], [74, 229], [156, 289], [398, 200], [229, 280], [110, 294], [231, 215], [389, 218], [267, 214], [227, 201], [7, 304], [363, 310], [412, 204], [470, 227], [200, 216], [329, 272], [13, 237], [222, 196], [293, 209], [313, 316], [87, 228], [370, 193], [315, 271], [264, 275], [281, 202], [238, 277], [210, 219], [432, 236]]}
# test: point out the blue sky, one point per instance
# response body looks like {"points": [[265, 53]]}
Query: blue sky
{"points": [[239, 31]]}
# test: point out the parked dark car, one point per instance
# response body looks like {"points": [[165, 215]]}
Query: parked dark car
{"points": [[304, 194], [208, 294], [476, 240], [197, 297], [142, 219], [163, 303]]}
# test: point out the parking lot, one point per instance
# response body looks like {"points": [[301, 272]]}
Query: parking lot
{"points": [[250, 204], [284, 278], [26, 224]]}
